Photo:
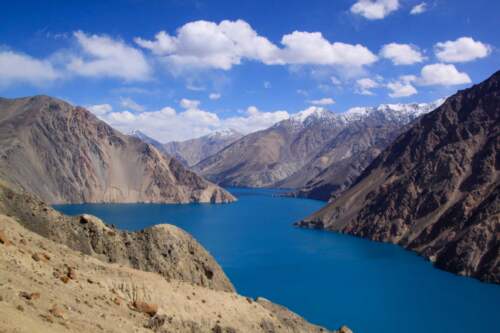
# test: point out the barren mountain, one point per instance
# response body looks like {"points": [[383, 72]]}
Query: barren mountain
{"points": [[155, 280], [65, 154], [190, 152], [435, 190], [367, 132], [316, 151]]}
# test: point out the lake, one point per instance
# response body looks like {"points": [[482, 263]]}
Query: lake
{"points": [[330, 279]]}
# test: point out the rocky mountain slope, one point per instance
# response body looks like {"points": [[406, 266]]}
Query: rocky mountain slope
{"points": [[315, 150], [367, 132], [435, 190], [48, 285], [65, 154], [191, 152]]}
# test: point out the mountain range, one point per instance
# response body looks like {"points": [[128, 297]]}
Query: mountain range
{"points": [[435, 189], [316, 151], [191, 152], [65, 154]]}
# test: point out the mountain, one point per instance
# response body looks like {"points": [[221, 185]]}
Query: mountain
{"points": [[367, 132], [77, 274], [265, 157], [140, 135], [190, 152], [65, 154], [435, 190], [315, 150]]}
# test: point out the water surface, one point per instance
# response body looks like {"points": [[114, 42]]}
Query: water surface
{"points": [[329, 279]]}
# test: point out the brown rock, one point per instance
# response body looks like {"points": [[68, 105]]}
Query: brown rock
{"points": [[3, 238], [147, 308], [117, 301], [64, 279], [29, 296], [40, 256], [56, 311], [71, 273], [345, 329]]}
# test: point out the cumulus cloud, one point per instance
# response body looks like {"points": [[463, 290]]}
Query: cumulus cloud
{"points": [[463, 49], [204, 44], [365, 85], [103, 56], [20, 68], [322, 101], [419, 9], [167, 124], [214, 96], [129, 103], [401, 54], [100, 109], [442, 74], [374, 9], [189, 103], [402, 87]]}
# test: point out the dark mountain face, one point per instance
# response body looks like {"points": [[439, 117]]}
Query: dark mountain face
{"points": [[435, 190], [65, 154]]}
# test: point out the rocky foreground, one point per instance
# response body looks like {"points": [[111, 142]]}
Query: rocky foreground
{"points": [[65, 154], [85, 276], [436, 189]]}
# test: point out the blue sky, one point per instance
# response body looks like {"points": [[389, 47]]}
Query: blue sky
{"points": [[243, 65]]}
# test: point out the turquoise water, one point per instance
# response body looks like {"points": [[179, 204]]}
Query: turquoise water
{"points": [[328, 278]]}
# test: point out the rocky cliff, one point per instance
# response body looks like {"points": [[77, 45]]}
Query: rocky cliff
{"points": [[65, 154], [435, 190]]}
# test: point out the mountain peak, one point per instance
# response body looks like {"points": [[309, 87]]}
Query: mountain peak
{"points": [[312, 112]]}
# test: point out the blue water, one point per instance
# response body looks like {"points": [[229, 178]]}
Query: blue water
{"points": [[328, 278]]}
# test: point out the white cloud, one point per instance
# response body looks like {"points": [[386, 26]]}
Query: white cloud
{"points": [[105, 57], [401, 54], [204, 44], [311, 48], [20, 68], [322, 101], [374, 9], [461, 50], [402, 87], [100, 109], [419, 9], [189, 103], [365, 85], [129, 103], [442, 74], [335, 81], [267, 84], [214, 96], [167, 124]]}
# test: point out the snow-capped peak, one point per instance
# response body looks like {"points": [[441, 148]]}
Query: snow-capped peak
{"points": [[225, 132], [313, 112]]}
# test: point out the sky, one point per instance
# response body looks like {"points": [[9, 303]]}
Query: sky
{"points": [[178, 69]]}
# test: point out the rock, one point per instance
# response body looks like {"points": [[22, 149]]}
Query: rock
{"points": [[64, 279], [156, 322], [71, 273], [345, 329], [56, 311], [40, 256], [3, 238], [147, 308], [29, 296]]}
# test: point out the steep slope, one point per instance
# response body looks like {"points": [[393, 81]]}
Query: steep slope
{"points": [[65, 154], [49, 287], [315, 150], [191, 152], [368, 131], [435, 190]]}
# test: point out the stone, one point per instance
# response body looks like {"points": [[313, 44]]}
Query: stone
{"points": [[147, 308]]}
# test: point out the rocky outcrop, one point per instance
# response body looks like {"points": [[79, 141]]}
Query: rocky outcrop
{"points": [[318, 152], [105, 297], [435, 190], [163, 249], [191, 152], [64, 154]]}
